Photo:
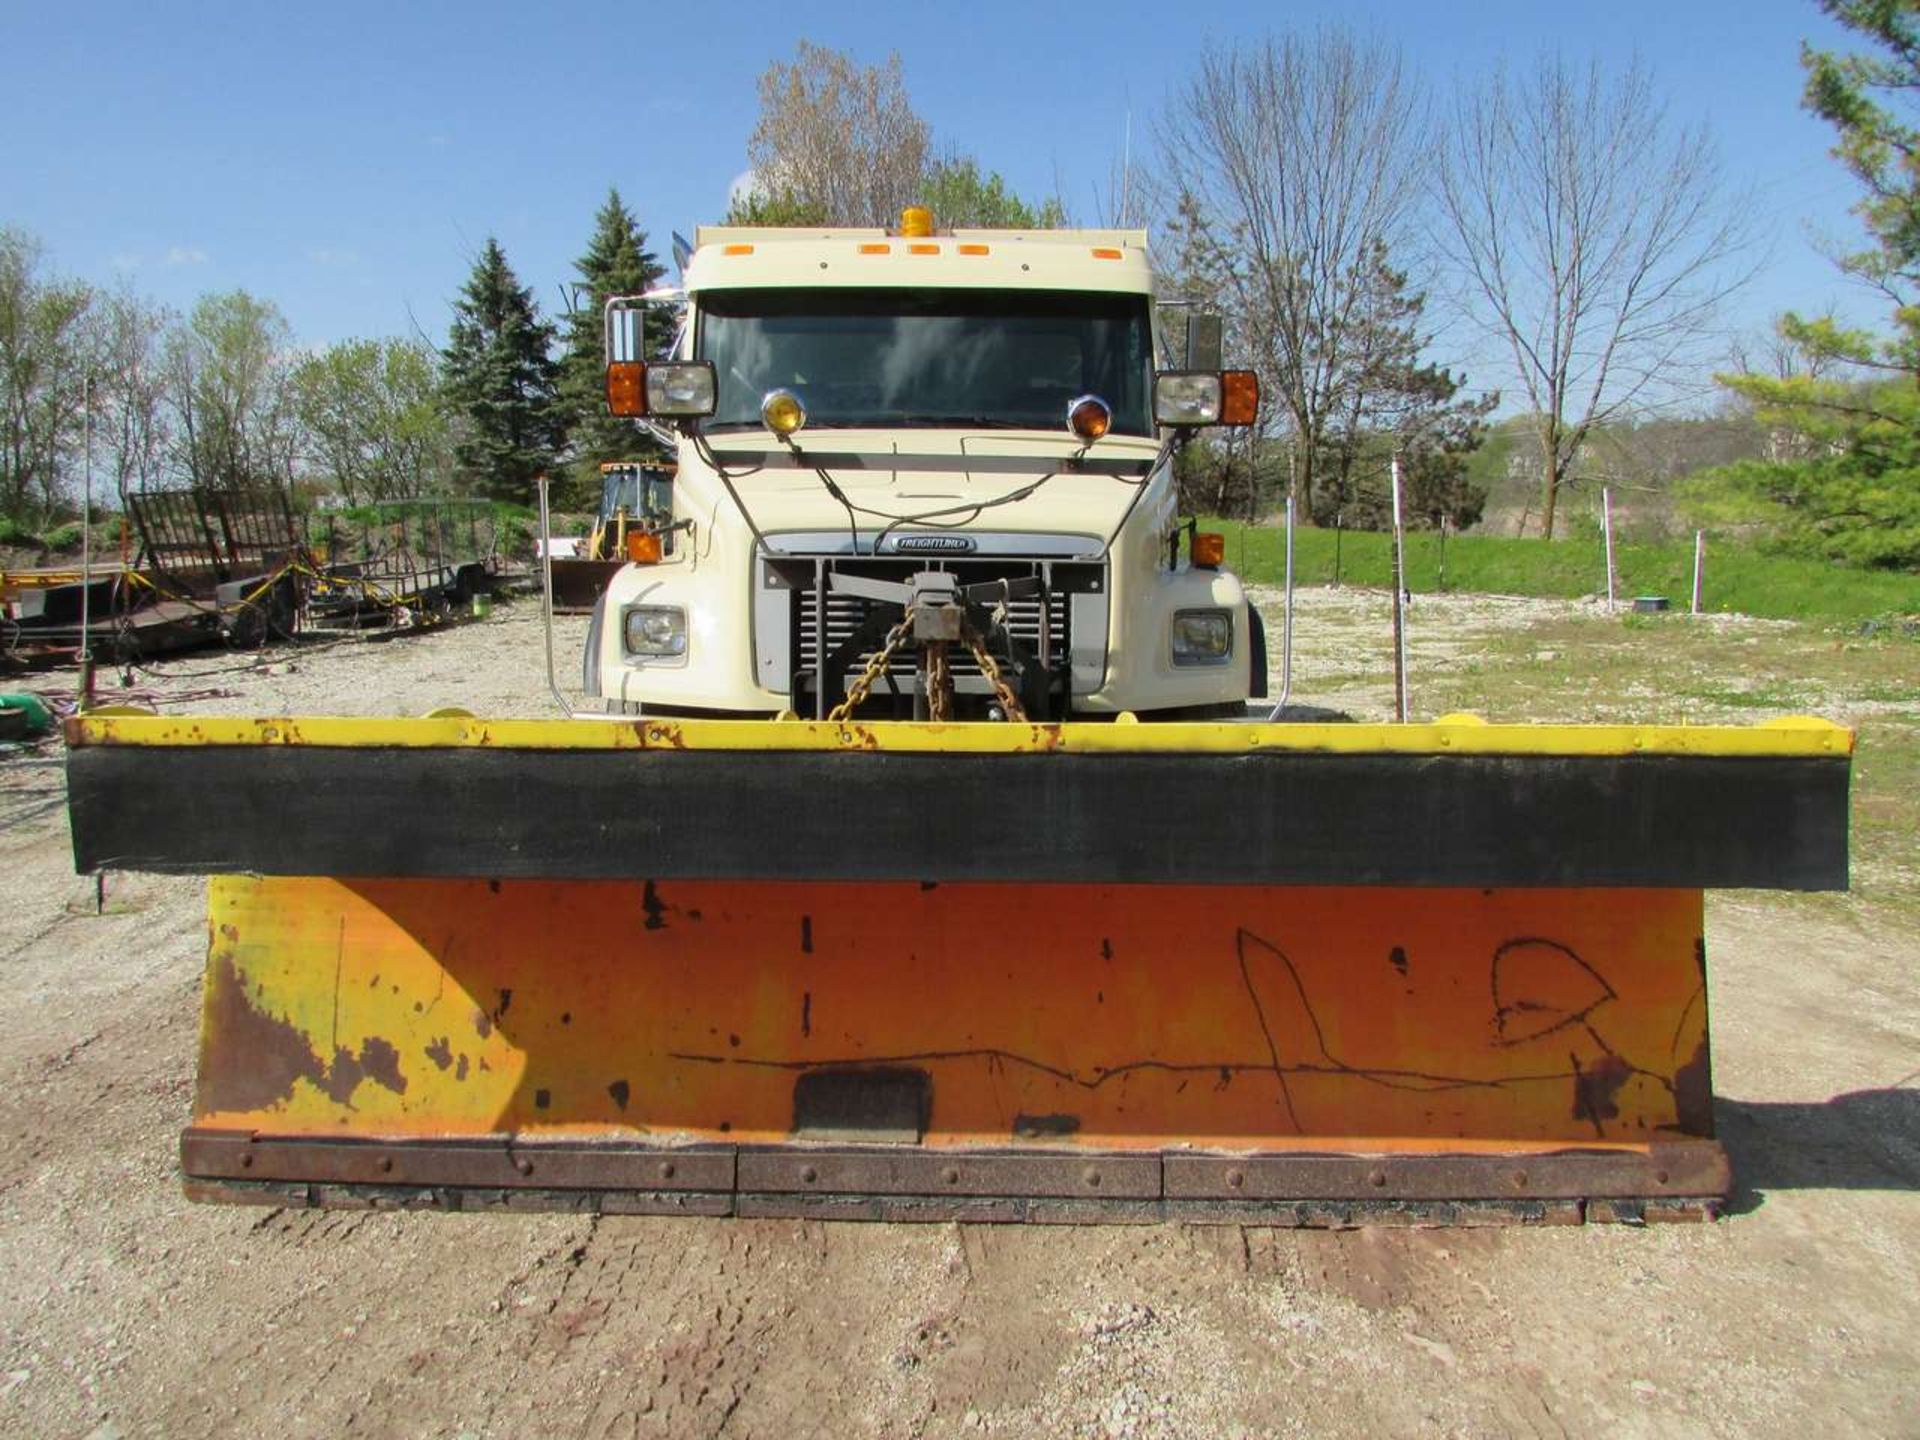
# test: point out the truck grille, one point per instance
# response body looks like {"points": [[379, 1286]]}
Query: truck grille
{"points": [[846, 613], [1041, 626]]}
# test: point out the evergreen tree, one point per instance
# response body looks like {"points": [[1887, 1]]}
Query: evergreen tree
{"points": [[1391, 400], [502, 383], [1843, 478], [616, 262]]}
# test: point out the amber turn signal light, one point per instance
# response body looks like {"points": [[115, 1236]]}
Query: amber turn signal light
{"points": [[1089, 418], [643, 547], [1209, 550], [627, 387], [1239, 398]]}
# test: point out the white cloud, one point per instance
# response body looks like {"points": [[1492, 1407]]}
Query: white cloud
{"points": [[744, 187], [184, 255], [125, 260]]}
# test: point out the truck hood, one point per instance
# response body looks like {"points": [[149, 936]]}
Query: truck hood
{"points": [[914, 472]]}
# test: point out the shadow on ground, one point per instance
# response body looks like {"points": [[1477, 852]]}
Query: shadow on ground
{"points": [[1863, 1140]]}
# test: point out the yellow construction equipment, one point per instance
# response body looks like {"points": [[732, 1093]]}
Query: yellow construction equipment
{"points": [[635, 516], [872, 893]]}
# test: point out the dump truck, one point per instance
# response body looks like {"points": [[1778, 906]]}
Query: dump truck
{"points": [[919, 856]]}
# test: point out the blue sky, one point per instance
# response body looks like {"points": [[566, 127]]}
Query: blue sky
{"points": [[348, 160]]}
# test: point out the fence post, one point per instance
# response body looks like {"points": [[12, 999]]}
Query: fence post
{"points": [[1699, 566], [1399, 602], [1606, 527]]}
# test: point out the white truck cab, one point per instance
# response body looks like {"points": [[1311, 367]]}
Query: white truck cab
{"points": [[874, 430]]}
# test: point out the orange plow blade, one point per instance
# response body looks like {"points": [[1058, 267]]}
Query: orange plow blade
{"points": [[953, 1049]]}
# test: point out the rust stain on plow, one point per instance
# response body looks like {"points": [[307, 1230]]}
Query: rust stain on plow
{"points": [[377, 1061], [248, 1060], [1596, 1089]]}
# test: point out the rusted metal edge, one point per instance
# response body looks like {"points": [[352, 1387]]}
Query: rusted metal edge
{"points": [[483, 1163], [843, 1176], [910, 1209]]}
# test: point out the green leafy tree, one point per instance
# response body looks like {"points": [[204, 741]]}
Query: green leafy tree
{"points": [[616, 262], [1847, 486], [502, 383], [43, 366], [754, 206], [960, 196], [373, 419], [228, 386], [1842, 478], [1857, 95]]}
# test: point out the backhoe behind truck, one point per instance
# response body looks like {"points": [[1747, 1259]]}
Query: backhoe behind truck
{"points": [[862, 895]]}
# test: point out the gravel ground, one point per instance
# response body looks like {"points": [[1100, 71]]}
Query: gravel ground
{"points": [[128, 1312]]}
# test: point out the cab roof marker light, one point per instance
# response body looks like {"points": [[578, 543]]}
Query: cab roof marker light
{"points": [[923, 249], [876, 249], [974, 249], [737, 250], [1103, 252]]}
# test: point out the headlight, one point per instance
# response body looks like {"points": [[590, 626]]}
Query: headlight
{"points": [[656, 630], [680, 389], [1186, 397], [1202, 637]]}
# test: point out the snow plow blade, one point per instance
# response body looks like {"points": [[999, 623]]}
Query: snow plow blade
{"points": [[1266, 974]]}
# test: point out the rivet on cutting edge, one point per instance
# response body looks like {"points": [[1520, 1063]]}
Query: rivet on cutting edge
{"points": [[1377, 1178], [950, 1176], [809, 1174], [386, 1164], [1092, 1177], [1519, 1179], [1235, 1179], [1660, 1177], [666, 1170], [246, 1161], [525, 1167]]}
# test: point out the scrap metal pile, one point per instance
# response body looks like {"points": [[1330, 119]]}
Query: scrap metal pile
{"points": [[239, 566]]}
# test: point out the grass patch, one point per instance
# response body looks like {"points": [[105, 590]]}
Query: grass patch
{"points": [[1737, 581], [1595, 668]]}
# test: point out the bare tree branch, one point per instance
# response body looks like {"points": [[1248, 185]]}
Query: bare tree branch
{"points": [[1593, 242]]}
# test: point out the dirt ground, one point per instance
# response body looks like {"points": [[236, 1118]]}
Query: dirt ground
{"points": [[125, 1311]]}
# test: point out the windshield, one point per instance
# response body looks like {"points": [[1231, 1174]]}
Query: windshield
{"points": [[991, 358]]}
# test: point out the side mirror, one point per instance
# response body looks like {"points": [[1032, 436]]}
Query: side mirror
{"points": [[1188, 399], [1203, 341]]}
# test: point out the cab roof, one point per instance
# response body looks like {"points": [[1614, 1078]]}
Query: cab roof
{"points": [[761, 256]]}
